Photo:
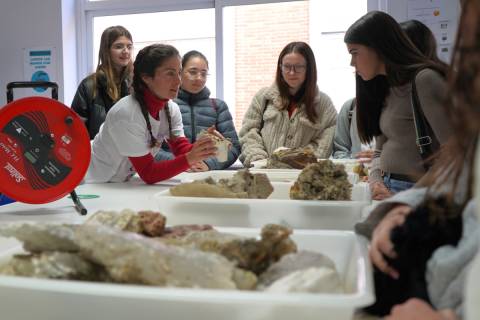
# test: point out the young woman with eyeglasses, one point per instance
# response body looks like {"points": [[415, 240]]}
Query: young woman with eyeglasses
{"points": [[200, 112], [292, 112], [386, 64], [136, 125], [97, 93]]}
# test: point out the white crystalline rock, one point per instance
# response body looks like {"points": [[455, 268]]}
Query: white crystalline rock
{"points": [[293, 262], [133, 258], [313, 280], [37, 237], [53, 265]]}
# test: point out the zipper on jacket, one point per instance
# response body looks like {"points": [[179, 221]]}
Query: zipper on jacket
{"points": [[192, 118]]}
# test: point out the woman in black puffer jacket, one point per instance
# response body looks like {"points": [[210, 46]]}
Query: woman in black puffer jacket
{"points": [[200, 112], [98, 92]]}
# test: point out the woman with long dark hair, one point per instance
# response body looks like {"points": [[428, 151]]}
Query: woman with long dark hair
{"points": [[292, 112], [451, 179], [423, 38], [111, 81], [387, 64], [136, 126]]}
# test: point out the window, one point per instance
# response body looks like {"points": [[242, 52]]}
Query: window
{"points": [[148, 28], [243, 47]]}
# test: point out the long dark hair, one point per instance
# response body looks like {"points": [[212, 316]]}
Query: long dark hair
{"points": [[307, 92], [146, 62], [380, 32], [463, 110], [423, 38], [105, 66]]}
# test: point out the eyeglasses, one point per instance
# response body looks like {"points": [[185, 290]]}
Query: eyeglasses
{"points": [[297, 68], [193, 74]]}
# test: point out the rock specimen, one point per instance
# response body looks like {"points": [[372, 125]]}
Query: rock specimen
{"points": [[294, 262], [313, 279], [149, 223], [222, 144], [322, 181], [122, 247], [243, 184], [291, 158]]}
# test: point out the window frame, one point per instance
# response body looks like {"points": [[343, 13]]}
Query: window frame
{"points": [[88, 10]]}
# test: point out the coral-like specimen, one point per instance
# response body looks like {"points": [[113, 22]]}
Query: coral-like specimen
{"points": [[322, 181], [258, 255], [247, 253], [243, 184], [291, 158]]}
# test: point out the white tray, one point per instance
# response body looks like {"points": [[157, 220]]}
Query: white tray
{"points": [[44, 299], [274, 175], [278, 208]]}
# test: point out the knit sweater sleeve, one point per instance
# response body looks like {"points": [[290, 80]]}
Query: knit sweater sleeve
{"points": [[323, 142], [411, 197], [251, 140], [152, 172]]}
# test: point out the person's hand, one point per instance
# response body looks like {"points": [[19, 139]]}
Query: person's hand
{"points": [[365, 156], [379, 191], [202, 149], [381, 244], [199, 167], [416, 309], [213, 130]]}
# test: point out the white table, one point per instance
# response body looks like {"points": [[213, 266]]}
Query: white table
{"points": [[135, 195]]}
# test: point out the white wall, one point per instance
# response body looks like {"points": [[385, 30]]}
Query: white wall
{"points": [[29, 24]]}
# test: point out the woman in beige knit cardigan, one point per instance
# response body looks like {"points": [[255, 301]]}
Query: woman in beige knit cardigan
{"points": [[291, 113]]}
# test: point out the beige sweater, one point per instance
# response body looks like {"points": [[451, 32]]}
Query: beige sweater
{"points": [[396, 151], [281, 131]]}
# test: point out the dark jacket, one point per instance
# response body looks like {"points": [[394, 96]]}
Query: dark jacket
{"points": [[199, 112], [94, 110]]}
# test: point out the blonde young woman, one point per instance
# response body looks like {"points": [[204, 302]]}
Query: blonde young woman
{"points": [[98, 92]]}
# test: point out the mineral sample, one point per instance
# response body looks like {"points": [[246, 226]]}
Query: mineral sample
{"points": [[38, 237], [243, 184], [294, 262], [222, 144], [53, 265], [322, 181], [291, 158]]}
